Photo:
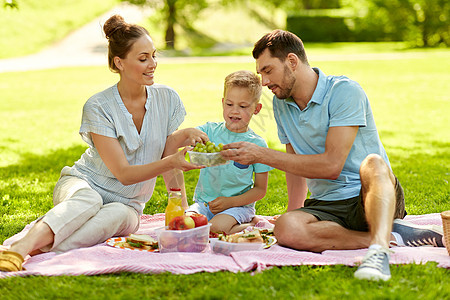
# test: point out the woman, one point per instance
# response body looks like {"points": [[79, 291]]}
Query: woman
{"points": [[131, 132]]}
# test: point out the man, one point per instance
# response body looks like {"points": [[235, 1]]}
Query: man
{"points": [[332, 149]]}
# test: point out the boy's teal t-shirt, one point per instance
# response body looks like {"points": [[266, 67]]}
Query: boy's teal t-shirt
{"points": [[231, 179]]}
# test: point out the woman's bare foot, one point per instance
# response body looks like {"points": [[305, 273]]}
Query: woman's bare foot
{"points": [[4, 248], [254, 221]]}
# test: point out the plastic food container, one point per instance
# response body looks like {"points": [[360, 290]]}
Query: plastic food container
{"points": [[190, 240], [227, 247], [207, 159]]}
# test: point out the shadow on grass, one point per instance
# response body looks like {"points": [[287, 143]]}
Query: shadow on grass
{"points": [[50, 163], [26, 187], [425, 177]]}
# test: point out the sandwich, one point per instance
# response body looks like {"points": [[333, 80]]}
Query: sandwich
{"points": [[141, 241], [253, 236]]}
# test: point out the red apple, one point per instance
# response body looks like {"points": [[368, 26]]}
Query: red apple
{"points": [[199, 219], [181, 223]]}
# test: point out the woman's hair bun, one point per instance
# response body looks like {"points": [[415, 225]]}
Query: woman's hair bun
{"points": [[113, 24]]}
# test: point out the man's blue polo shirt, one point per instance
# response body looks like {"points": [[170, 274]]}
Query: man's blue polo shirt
{"points": [[337, 101]]}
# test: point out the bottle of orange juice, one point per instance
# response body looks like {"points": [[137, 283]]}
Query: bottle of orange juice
{"points": [[174, 207]]}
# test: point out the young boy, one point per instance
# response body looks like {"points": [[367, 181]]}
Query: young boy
{"points": [[226, 194]]}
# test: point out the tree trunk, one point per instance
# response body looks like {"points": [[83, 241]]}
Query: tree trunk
{"points": [[171, 19]]}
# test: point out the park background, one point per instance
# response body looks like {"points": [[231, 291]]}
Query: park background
{"points": [[397, 50]]}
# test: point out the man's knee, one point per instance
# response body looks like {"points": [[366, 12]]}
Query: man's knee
{"points": [[373, 161], [290, 230], [374, 166]]}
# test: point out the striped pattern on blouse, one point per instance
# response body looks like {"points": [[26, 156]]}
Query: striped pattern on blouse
{"points": [[105, 114]]}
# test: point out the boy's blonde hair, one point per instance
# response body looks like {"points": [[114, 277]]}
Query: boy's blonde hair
{"points": [[244, 79]]}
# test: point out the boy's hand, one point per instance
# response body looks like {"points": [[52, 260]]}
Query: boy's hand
{"points": [[186, 137], [194, 135], [218, 205], [242, 152]]}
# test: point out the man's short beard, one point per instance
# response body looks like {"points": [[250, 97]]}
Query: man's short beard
{"points": [[288, 83]]}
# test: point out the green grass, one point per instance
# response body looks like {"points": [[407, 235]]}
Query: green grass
{"points": [[39, 136], [36, 24], [305, 282]]}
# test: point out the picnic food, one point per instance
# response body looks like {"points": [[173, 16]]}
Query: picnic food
{"points": [[199, 219], [207, 155], [251, 239], [141, 241], [209, 147], [207, 159], [181, 223], [191, 240], [253, 236], [214, 235]]}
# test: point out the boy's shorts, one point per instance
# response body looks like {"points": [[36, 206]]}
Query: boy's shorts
{"points": [[350, 213], [242, 214]]}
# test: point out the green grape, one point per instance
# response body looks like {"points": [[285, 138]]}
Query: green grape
{"points": [[209, 147]]}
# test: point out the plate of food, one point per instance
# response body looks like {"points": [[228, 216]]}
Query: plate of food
{"points": [[248, 240], [137, 242]]}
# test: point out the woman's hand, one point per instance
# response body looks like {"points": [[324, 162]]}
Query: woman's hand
{"points": [[178, 161], [114, 158]]}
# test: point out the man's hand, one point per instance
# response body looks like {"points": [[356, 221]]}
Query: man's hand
{"points": [[242, 152], [219, 204]]}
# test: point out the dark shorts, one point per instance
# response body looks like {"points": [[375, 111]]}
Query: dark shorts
{"points": [[349, 213]]}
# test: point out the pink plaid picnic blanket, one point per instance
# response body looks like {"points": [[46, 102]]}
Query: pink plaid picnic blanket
{"points": [[103, 259]]}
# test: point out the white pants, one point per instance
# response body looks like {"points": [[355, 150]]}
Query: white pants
{"points": [[79, 218]]}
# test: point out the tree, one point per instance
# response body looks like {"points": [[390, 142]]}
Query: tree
{"points": [[10, 4], [174, 12], [303, 4], [424, 22]]}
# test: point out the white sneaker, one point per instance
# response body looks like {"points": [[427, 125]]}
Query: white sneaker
{"points": [[375, 265]]}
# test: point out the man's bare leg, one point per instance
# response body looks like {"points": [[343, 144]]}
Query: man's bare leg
{"points": [[378, 188], [378, 192], [302, 231]]}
